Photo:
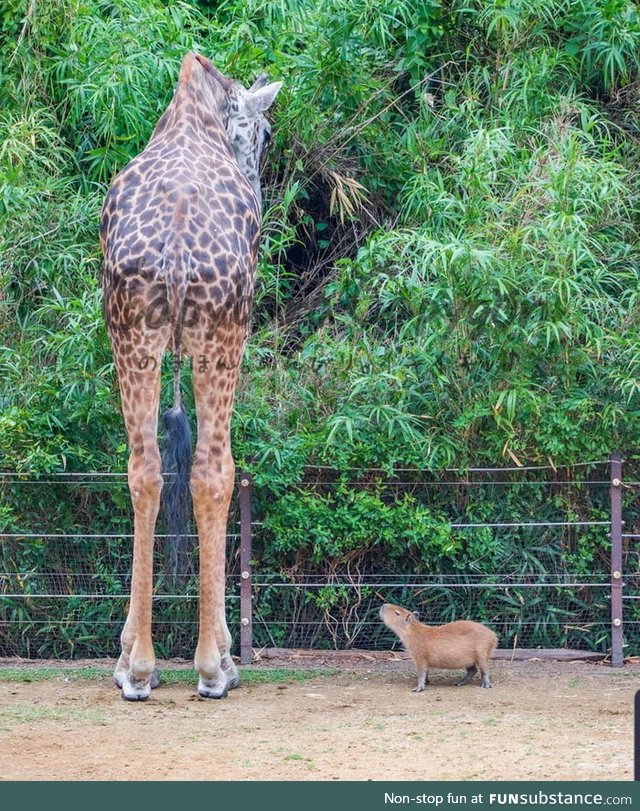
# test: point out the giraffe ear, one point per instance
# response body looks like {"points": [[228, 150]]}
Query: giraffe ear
{"points": [[261, 99]]}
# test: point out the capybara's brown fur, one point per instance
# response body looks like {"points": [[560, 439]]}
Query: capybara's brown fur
{"points": [[460, 644]]}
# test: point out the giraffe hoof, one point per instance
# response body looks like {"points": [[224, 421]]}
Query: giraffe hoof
{"points": [[155, 679], [136, 689], [212, 688], [211, 694], [133, 697]]}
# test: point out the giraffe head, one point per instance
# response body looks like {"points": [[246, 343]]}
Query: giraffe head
{"points": [[248, 130]]}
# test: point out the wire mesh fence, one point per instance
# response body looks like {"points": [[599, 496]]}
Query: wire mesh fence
{"points": [[528, 551], [65, 576], [550, 612]]}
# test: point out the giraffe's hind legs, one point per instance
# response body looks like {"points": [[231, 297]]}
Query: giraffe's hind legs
{"points": [[133, 689], [230, 671], [218, 685], [212, 688]]}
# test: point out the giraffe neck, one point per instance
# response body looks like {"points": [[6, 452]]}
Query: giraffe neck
{"points": [[196, 109], [193, 112], [251, 172]]}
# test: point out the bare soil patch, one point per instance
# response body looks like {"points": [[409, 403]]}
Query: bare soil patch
{"points": [[541, 721]]}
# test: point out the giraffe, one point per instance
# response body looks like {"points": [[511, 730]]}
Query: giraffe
{"points": [[179, 231]]}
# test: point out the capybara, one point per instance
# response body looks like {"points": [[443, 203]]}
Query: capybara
{"points": [[460, 644]]}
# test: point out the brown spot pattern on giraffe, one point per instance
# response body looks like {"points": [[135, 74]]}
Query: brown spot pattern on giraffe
{"points": [[151, 221]]}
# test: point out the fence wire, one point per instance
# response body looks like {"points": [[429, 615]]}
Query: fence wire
{"points": [[65, 572]]}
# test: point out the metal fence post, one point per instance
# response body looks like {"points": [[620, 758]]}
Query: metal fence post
{"points": [[246, 613], [617, 655]]}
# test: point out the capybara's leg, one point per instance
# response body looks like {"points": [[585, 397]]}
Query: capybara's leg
{"points": [[471, 672], [423, 679], [484, 672]]}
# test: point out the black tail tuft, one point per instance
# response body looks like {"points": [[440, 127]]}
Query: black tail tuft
{"points": [[176, 461]]}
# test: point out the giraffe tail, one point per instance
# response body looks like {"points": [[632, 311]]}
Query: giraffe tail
{"points": [[176, 464]]}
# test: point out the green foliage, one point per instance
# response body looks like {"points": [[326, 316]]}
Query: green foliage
{"points": [[605, 36], [343, 521]]}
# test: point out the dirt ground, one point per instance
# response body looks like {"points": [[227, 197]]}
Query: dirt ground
{"points": [[541, 721]]}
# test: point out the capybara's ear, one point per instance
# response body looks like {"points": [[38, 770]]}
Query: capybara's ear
{"points": [[412, 616]]}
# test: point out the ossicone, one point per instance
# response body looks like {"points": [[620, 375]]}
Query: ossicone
{"points": [[208, 65]]}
